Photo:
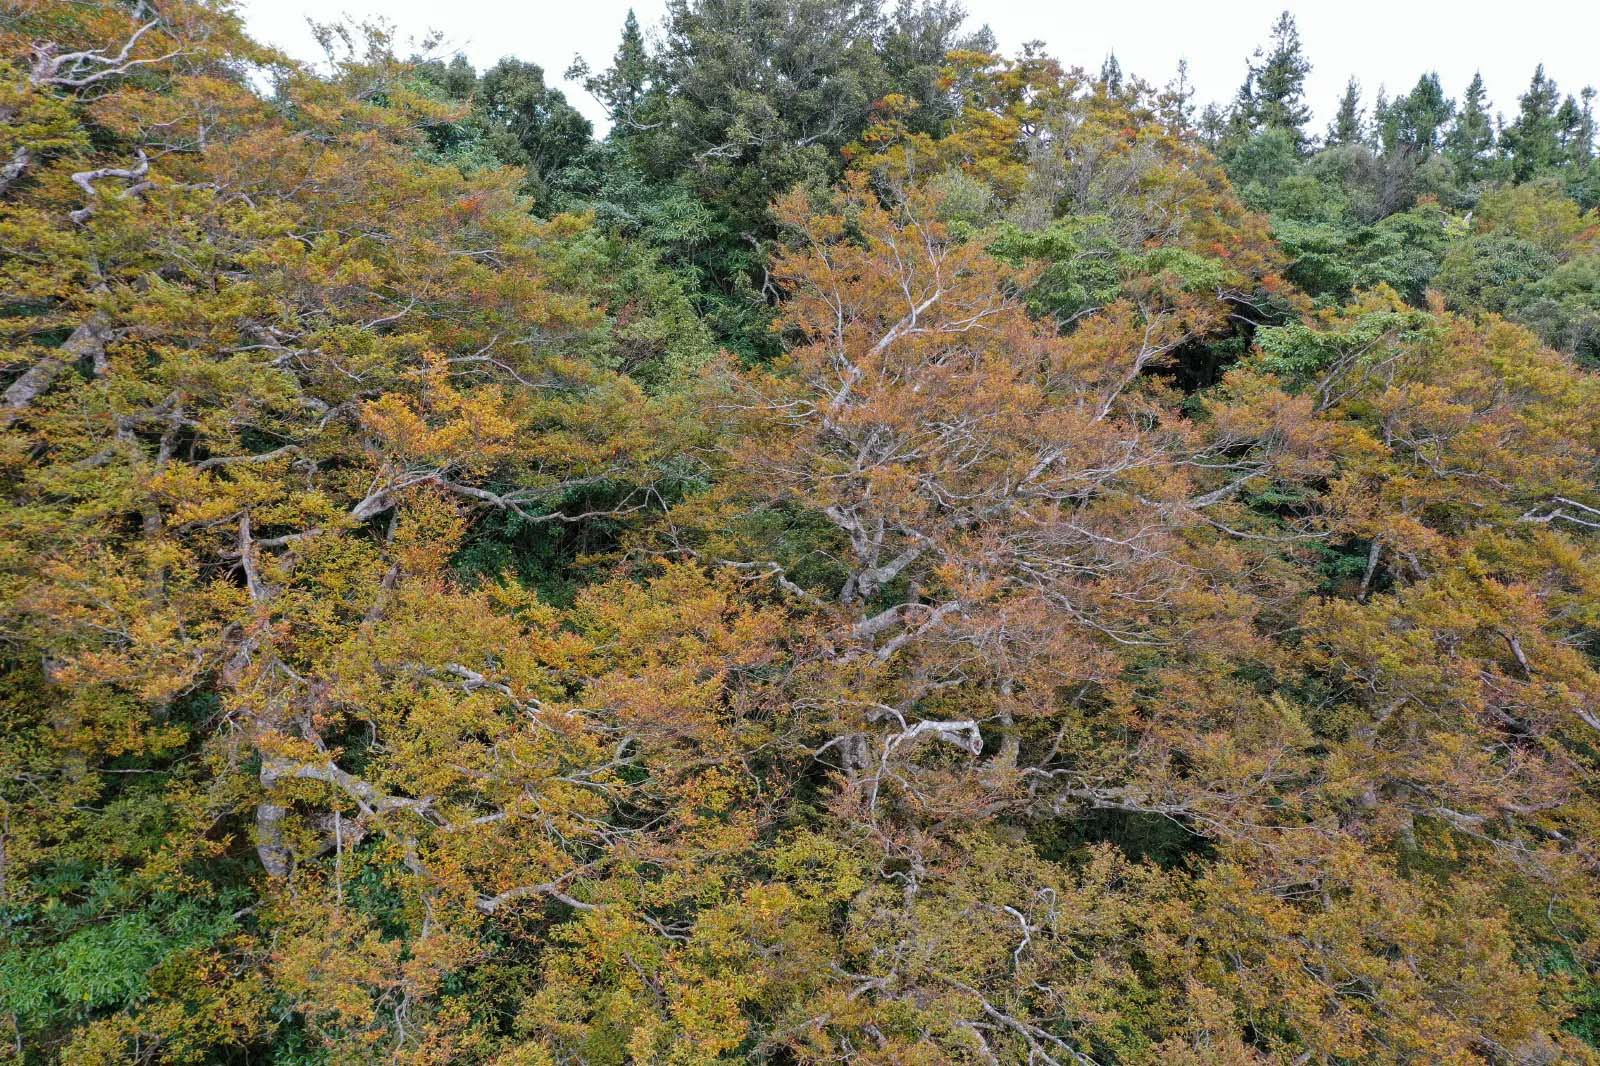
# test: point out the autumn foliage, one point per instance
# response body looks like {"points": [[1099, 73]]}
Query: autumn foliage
{"points": [[1078, 646]]}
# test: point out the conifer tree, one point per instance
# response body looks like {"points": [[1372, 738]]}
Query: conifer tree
{"points": [[1422, 114], [1111, 74], [1176, 102], [1242, 116], [1532, 142], [1278, 75], [1347, 124], [623, 85], [1212, 126], [1469, 144], [1382, 133], [1575, 130]]}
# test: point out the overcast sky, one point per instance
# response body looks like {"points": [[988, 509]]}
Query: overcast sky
{"points": [[1381, 42]]}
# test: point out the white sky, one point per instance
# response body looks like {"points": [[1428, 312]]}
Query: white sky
{"points": [[1382, 42]]}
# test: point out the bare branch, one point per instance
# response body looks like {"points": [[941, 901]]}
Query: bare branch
{"points": [[87, 341], [85, 180]]}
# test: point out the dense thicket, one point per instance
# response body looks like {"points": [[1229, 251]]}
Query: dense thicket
{"points": [[893, 555]]}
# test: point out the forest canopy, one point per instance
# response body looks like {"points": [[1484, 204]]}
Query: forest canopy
{"points": [[893, 553]]}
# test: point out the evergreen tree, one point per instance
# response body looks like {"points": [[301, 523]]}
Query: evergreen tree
{"points": [[1384, 135], [1532, 143], [1111, 74], [1470, 140], [456, 79], [1346, 127], [1583, 178], [1575, 130], [1242, 115], [531, 123], [1588, 125], [1421, 116], [1175, 104], [512, 119], [623, 86], [1279, 79], [916, 40], [1213, 126]]}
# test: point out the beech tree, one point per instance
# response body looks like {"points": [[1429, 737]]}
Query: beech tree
{"points": [[1111, 616]]}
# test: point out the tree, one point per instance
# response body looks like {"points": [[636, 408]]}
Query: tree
{"points": [[751, 97], [1111, 74], [1531, 144], [529, 124], [1421, 116], [1066, 641], [1347, 124], [305, 367], [621, 88], [1176, 101], [1490, 270], [1381, 134], [1583, 163], [1576, 131], [1277, 82], [747, 98], [506, 117], [1470, 143], [917, 40], [1212, 126], [1564, 307]]}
